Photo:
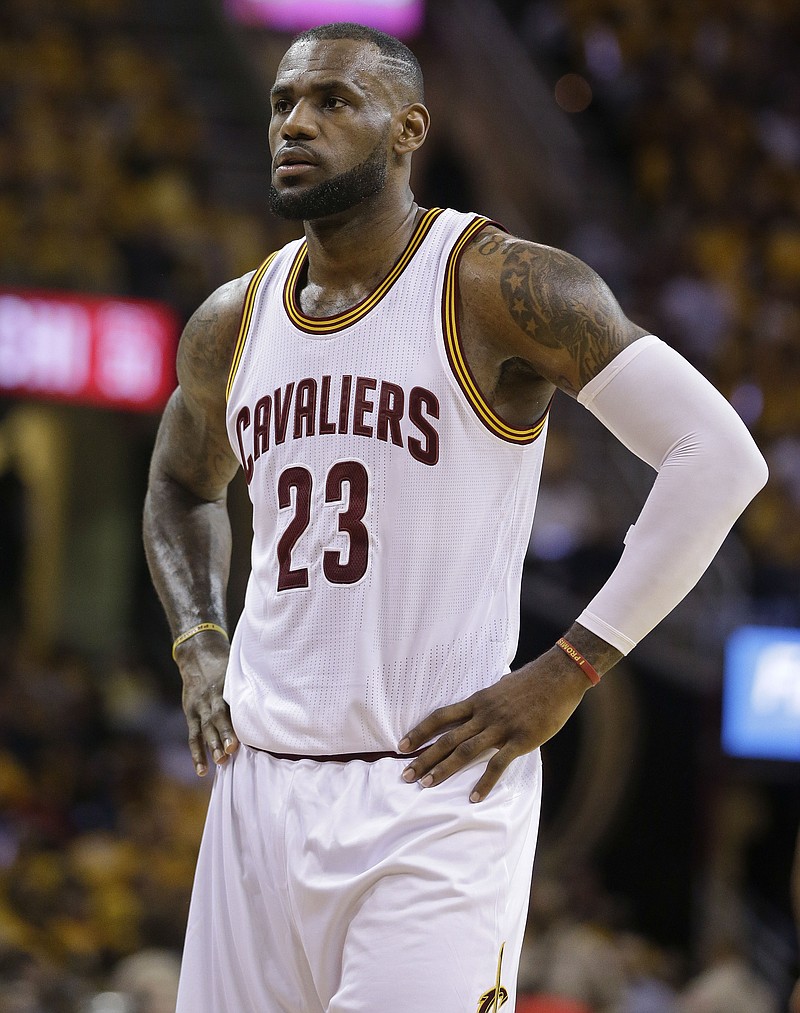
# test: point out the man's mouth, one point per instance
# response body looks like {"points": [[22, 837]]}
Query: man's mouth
{"points": [[291, 162]]}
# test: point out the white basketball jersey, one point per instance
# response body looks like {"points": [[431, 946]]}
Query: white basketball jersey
{"points": [[391, 507]]}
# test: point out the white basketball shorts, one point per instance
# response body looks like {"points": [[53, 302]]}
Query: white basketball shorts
{"points": [[335, 887]]}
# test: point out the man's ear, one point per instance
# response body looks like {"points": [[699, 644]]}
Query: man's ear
{"points": [[414, 122]]}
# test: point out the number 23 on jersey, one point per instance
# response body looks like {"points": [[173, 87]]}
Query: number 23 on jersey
{"points": [[346, 492]]}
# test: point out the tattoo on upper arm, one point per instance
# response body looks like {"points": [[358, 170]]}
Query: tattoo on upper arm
{"points": [[559, 303]]}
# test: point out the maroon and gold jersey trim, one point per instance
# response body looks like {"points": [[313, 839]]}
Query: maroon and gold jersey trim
{"points": [[329, 325], [455, 352], [244, 325]]}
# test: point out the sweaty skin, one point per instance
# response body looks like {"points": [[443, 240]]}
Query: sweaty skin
{"points": [[532, 319]]}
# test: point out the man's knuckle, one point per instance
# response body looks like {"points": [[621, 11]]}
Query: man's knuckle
{"points": [[210, 716], [497, 764], [465, 750], [447, 741]]}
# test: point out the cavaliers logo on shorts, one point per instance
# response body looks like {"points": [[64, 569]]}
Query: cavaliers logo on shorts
{"points": [[493, 998]]}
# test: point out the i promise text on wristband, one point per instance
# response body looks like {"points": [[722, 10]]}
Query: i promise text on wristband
{"points": [[589, 670], [200, 628]]}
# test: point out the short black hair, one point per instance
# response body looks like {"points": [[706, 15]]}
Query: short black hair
{"points": [[404, 64]]}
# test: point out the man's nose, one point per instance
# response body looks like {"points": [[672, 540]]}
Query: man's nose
{"points": [[300, 122]]}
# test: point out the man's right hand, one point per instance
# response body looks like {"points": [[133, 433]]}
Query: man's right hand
{"points": [[202, 667]]}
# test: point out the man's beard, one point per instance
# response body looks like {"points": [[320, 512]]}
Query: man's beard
{"points": [[333, 196]]}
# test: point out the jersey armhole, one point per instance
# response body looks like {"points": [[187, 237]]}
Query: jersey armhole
{"points": [[455, 353], [246, 320]]}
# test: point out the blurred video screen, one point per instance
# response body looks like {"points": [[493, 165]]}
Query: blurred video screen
{"points": [[397, 17], [93, 350], [761, 694]]}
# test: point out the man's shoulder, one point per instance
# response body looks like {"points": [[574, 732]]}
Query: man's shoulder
{"points": [[217, 319], [504, 276], [493, 252], [225, 303], [209, 338], [542, 305]]}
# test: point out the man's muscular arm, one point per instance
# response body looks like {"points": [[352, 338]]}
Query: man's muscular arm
{"points": [[543, 306], [186, 529], [526, 303]]}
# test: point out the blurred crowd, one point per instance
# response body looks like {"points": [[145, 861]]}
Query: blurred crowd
{"points": [[104, 186], [580, 957], [100, 820], [103, 181]]}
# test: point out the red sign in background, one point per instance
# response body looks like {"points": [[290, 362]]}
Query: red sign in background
{"points": [[95, 350]]}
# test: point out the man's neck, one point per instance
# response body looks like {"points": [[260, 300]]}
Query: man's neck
{"points": [[360, 245]]}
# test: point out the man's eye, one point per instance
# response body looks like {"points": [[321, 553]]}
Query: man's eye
{"points": [[281, 105], [332, 102]]}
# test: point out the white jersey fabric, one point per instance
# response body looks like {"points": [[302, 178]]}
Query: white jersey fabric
{"points": [[391, 507]]}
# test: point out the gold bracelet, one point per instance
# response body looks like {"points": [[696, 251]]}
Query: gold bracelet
{"points": [[200, 628]]}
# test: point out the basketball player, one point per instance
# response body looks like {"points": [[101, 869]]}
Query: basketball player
{"points": [[384, 385]]}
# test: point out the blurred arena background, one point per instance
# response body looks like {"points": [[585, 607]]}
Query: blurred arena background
{"points": [[658, 141]]}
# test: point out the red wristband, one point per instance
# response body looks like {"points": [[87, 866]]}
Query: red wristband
{"points": [[589, 670]]}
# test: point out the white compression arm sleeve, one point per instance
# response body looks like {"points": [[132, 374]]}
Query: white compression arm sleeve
{"points": [[664, 411]]}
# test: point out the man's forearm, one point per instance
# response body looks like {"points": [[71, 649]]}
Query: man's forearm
{"points": [[708, 470], [188, 546]]}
